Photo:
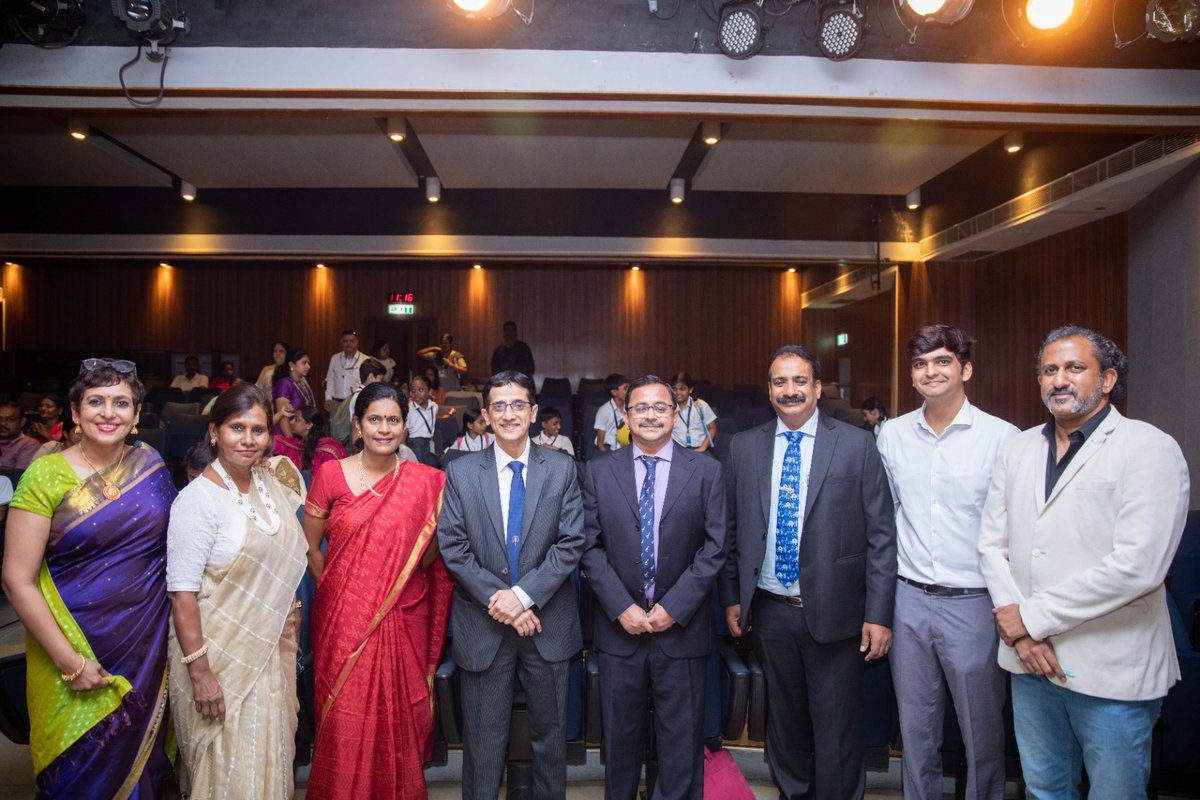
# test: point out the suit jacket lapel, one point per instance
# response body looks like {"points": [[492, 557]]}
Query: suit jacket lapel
{"points": [[765, 463], [823, 447], [682, 468], [621, 464], [535, 477], [489, 485], [1089, 449]]}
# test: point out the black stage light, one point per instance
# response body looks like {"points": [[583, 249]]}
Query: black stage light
{"points": [[841, 32], [480, 9], [152, 22], [1173, 20], [46, 23], [942, 12], [740, 30]]}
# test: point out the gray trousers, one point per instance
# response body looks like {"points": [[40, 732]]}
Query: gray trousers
{"points": [[941, 643]]}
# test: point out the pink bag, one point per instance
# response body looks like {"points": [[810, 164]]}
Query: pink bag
{"points": [[722, 778]]}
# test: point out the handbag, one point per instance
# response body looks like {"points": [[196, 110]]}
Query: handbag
{"points": [[722, 778]]}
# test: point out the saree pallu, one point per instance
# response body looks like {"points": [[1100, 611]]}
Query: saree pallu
{"points": [[245, 610], [378, 625], [104, 579]]}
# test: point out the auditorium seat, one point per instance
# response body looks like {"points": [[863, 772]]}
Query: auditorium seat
{"points": [[168, 411], [183, 431], [556, 387], [451, 455], [14, 711], [154, 437]]}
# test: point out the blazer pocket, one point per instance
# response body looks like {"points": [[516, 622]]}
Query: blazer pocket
{"points": [[854, 557], [834, 480], [1096, 486]]}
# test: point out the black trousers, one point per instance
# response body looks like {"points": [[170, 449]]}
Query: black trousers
{"points": [[814, 706], [677, 687]]}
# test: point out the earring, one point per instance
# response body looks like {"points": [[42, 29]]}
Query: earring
{"points": [[213, 441], [133, 431]]}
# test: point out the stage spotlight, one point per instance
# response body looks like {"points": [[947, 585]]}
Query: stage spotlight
{"points": [[913, 199], [1173, 20], [677, 188], [1013, 142], [480, 9], [942, 12], [841, 32], [152, 22], [740, 30], [433, 189], [1041, 17], [46, 23]]}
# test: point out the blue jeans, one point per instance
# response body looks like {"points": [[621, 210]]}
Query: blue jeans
{"points": [[1058, 730]]}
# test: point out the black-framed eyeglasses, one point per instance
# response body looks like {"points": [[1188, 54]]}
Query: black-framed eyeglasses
{"points": [[643, 409], [120, 365], [517, 406]]}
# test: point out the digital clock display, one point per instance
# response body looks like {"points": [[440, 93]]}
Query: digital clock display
{"points": [[401, 297]]}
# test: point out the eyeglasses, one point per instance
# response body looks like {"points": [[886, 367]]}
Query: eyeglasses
{"points": [[644, 409], [122, 366], [516, 406]]}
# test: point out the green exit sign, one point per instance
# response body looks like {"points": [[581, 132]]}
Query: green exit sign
{"points": [[402, 309], [843, 338]]}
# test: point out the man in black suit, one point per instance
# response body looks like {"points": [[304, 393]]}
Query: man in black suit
{"points": [[655, 521], [812, 573], [511, 532]]}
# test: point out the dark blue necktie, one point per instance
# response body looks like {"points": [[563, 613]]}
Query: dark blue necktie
{"points": [[646, 512], [787, 513], [516, 510]]}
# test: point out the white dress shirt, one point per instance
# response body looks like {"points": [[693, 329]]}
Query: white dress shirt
{"points": [[608, 419], [342, 379], [505, 474], [766, 578], [939, 484], [421, 421], [197, 381], [691, 423]]}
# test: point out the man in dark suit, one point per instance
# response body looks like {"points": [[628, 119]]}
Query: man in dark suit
{"points": [[655, 521], [511, 532], [812, 572]]}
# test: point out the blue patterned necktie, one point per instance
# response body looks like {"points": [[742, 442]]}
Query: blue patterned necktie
{"points": [[516, 510], [787, 513], [646, 512]]}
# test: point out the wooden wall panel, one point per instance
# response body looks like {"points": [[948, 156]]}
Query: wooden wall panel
{"points": [[1009, 302], [869, 323], [580, 321]]}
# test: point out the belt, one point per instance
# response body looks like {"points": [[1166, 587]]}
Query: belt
{"points": [[339, 399], [942, 591], [787, 600]]}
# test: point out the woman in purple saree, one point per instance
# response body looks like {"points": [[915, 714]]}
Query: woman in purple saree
{"points": [[84, 568]]}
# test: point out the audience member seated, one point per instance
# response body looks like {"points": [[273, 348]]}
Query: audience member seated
{"points": [[551, 435], [191, 377], [308, 447], [225, 379], [197, 459], [6, 496], [16, 449], [266, 377], [874, 414], [611, 431], [69, 439], [52, 412], [474, 432], [437, 392], [290, 389]]}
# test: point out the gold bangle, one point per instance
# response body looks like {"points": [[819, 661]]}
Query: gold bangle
{"points": [[82, 664], [190, 658]]}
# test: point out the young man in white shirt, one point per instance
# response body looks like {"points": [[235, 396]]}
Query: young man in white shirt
{"points": [[341, 380], [610, 419], [939, 462]]}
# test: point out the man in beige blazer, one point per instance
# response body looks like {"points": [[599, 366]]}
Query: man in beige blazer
{"points": [[1081, 522]]}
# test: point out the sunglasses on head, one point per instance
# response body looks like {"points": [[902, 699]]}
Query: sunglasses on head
{"points": [[122, 366]]}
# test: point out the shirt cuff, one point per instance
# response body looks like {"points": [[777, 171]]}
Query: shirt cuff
{"points": [[525, 599]]}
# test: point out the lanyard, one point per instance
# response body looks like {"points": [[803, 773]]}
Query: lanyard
{"points": [[428, 421]]}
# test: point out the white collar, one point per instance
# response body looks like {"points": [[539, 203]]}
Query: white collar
{"points": [[808, 428], [503, 459]]}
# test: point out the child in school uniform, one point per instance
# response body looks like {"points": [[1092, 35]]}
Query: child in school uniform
{"points": [[551, 435]]}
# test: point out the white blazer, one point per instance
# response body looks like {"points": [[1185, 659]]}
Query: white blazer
{"points": [[1087, 565]]}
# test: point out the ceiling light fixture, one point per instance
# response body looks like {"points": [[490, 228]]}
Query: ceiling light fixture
{"points": [[1173, 20], [1014, 141], [397, 129], [678, 185], [710, 132], [942, 12], [433, 189], [78, 129], [187, 190], [841, 31], [740, 29], [913, 199], [1040, 18], [480, 9], [320, 265], [477, 265], [635, 268], [791, 270]]}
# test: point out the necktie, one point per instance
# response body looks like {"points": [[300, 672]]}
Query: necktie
{"points": [[516, 510], [787, 513], [646, 512]]}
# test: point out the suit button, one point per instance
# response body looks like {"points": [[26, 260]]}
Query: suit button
{"points": [[756, 572], [504, 571]]}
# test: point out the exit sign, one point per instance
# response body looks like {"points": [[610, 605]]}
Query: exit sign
{"points": [[402, 309], [843, 339]]}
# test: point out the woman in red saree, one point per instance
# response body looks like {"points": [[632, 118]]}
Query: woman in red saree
{"points": [[380, 613]]}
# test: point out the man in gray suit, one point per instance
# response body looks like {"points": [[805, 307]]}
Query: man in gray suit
{"points": [[655, 522], [812, 573], [511, 532]]}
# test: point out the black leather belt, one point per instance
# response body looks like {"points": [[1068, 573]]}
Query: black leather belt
{"points": [[942, 591], [794, 602]]}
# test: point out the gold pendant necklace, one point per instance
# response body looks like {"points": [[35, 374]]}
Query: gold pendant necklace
{"points": [[111, 491], [362, 474]]}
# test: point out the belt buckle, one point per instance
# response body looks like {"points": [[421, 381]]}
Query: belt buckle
{"points": [[794, 602], [933, 590]]}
